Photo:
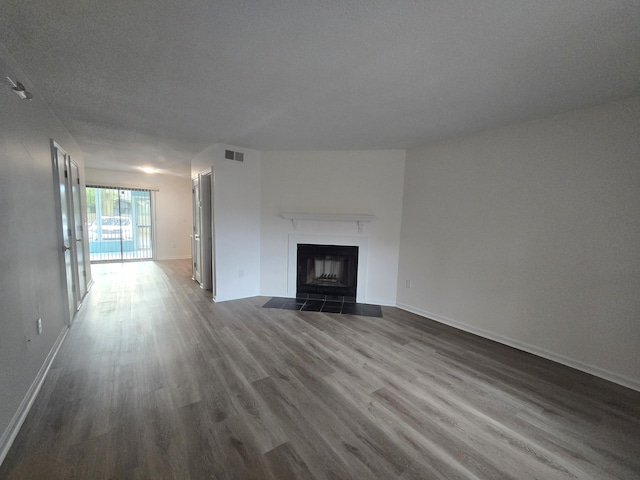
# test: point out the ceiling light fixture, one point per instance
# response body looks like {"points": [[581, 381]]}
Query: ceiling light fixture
{"points": [[19, 89]]}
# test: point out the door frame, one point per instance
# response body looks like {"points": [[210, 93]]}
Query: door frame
{"points": [[197, 238], [61, 175], [79, 231]]}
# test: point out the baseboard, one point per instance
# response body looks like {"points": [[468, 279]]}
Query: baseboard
{"points": [[18, 419], [379, 301], [220, 298], [540, 352], [179, 257]]}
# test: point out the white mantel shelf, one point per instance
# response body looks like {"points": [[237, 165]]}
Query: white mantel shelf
{"points": [[360, 219]]}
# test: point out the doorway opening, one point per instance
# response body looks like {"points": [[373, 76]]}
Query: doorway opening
{"points": [[120, 223]]}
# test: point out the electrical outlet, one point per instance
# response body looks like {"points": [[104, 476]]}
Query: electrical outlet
{"points": [[408, 283], [39, 326]]}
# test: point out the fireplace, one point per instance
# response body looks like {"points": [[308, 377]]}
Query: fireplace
{"points": [[327, 270]]}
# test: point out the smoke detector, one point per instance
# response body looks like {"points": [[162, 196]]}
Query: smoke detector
{"points": [[19, 89]]}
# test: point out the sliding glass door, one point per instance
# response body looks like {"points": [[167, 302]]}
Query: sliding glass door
{"points": [[120, 223]]}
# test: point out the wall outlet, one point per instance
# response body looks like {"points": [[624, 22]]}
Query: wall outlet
{"points": [[408, 283], [39, 326]]}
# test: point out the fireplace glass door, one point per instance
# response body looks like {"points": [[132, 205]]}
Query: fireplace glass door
{"points": [[327, 269]]}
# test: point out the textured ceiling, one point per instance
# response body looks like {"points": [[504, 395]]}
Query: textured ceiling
{"points": [[140, 82]]}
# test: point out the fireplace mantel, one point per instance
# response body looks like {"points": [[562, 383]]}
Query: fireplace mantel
{"points": [[360, 219]]}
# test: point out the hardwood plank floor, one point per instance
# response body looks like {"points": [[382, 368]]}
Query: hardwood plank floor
{"points": [[156, 381]]}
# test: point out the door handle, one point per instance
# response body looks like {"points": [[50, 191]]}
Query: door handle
{"points": [[65, 248]]}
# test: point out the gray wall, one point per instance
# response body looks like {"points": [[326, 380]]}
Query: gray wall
{"points": [[530, 235], [30, 274]]}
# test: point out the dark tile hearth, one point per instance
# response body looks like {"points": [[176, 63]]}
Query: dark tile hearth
{"points": [[326, 304]]}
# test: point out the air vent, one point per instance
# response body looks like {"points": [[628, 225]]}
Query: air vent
{"points": [[231, 155]]}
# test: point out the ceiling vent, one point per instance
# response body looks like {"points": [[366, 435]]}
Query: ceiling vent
{"points": [[231, 155]]}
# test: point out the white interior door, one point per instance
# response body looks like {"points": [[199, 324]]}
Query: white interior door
{"points": [[204, 207], [197, 250], [213, 236], [61, 173], [78, 220]]}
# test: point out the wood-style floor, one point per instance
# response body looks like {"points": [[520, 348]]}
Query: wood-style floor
{"points": [[156, 381]]}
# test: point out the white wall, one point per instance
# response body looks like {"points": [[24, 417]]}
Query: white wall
{"points": [[530, 234], [236, 217], [357, 182], [31, 283], [172, 208]]}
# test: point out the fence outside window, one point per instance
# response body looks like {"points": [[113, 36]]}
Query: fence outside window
{"points": [[120, 223]]}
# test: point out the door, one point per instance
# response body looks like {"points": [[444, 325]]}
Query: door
{"points": [[78, 220], [66, 224], [213, 236], [204, 207], [196, 230]]}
